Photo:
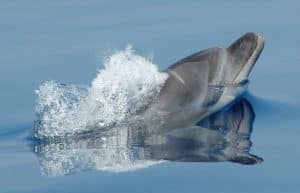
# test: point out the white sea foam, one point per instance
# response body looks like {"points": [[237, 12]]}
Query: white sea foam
{"points": [[127, 83]]}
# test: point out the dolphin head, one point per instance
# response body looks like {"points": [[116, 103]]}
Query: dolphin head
{"points": [[202, 78], [242, 55]]}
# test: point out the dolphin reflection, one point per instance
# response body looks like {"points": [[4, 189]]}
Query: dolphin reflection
{"points": [[223, 136]]}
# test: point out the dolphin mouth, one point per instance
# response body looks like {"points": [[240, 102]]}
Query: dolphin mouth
{"points": [[243, 53], [221, 85]]}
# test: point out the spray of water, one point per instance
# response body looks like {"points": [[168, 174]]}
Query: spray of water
{"points": [[127, 83]]}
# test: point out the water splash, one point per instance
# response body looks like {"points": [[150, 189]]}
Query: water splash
{"points": [[127, 83]]}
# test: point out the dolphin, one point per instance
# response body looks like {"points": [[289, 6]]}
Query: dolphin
{"points": [[207, 81]]}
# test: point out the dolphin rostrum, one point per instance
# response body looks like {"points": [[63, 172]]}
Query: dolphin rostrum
{"points": [[206, 81]]}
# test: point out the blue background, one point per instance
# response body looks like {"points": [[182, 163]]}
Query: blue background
{"points": [[65, 41]]}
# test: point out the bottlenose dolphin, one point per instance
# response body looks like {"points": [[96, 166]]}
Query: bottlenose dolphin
{"points": [[180, 124], [206, 81]]}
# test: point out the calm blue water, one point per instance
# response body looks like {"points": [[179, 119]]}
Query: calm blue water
{"points": [[65, 41]]}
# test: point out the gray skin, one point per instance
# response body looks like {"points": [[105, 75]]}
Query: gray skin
{"points": [[205, 82]]}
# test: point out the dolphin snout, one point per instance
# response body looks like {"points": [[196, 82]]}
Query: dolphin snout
{"points": [[243, 54]]}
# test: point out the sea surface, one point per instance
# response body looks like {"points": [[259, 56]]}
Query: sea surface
{"points": [[67, 52]]}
